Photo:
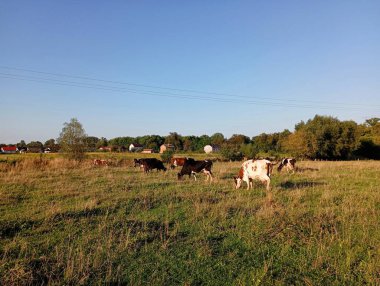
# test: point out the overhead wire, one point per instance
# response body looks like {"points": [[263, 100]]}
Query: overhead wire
{"points": [[231, 98]]}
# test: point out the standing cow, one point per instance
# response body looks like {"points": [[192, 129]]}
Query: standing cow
{"points": [[148, 164], [252, 170], [191, 167]]}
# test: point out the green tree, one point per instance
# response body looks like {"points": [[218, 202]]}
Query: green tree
{"points": [[237, 140], [102, 142], [21, 144], [35, 146], [175, 139], [91, 142], [217, 139], [73, 140]]}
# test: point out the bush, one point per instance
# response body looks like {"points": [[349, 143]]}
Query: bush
{"points": [[231, 154], [167, 156]]}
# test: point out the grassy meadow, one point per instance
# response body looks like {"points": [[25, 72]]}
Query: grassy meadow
{"points": [[63, 223]]}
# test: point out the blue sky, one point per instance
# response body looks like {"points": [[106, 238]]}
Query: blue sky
{"points": [[130, 68]]}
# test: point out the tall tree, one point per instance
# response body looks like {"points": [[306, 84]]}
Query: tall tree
{"points": [[217, 139], [175, 139], [72, 140]]}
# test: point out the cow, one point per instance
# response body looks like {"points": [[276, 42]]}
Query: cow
{"points": [[99, 162], [288, 163], [191, 167], [254, 169], [177, 162], [149, 164], [137, 162]]}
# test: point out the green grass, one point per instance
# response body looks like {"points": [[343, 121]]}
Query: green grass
{"points": [[64, 223]]}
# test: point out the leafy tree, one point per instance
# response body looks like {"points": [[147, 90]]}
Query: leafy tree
{"points": [[49, 143], [217, 139], [231, 153], [372, 121], [102, 142], [21, 144], [189, 143], [175, 139], [237, 140], [73, 140], [91, 142], [35, 146], [151, 141], [297, 144], [249, 150]]}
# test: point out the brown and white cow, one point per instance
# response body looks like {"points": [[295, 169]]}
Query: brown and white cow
{"points": [[177, 162], [254, 170], [99, 162], [191, 167], [288, 163]]}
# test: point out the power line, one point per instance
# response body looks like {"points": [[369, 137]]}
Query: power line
{"points": [[124, 90], [232, 99]]}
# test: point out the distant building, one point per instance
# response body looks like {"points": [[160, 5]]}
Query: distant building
{"points": [[35, 149], [147, 151], [135, 147], [22, 149], [166, 147], [9, 149], [105, 149]]}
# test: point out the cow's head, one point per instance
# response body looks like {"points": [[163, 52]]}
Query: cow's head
{"points": [[136, 163], [237, 181]]}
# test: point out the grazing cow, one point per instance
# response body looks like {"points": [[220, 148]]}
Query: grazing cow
{"points": [[177, 162], [99, 162], [254, 169], [191, 167], [137, 162], [288, 163], [149, 164]]}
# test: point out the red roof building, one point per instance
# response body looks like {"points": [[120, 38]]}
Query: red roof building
{"points": [[9, 149]]}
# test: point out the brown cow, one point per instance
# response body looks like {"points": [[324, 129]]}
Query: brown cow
{"points": [[175, 162], [99, 162]]}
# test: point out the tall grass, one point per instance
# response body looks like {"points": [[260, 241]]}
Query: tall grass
{"points": [[67, 223]]}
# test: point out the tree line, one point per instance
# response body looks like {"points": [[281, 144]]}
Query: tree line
{"points": [[323, 137]]}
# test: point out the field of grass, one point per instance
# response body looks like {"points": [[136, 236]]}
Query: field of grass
{"points": [[74, 224]]}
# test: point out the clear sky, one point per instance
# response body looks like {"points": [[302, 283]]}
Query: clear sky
{"points": [[131, 68]]}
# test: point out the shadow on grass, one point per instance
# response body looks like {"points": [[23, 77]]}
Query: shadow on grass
{"points": [[305, 169], [9, 229], [148, 232], [84, 213], [300, 185]]}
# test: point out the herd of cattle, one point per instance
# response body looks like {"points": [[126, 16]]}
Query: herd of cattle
{"points": [[250, 170]]}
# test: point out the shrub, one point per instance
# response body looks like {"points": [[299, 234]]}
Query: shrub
{"points": [[166, 156]]}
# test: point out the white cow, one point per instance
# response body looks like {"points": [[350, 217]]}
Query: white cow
{"points": [[254, 169]]}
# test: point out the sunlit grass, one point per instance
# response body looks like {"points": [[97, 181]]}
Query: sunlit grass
{"points": [[68, 223]]}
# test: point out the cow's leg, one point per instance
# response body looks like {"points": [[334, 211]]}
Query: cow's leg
{"points": [[208, 175], [247, 180], [266, 180], [211, 175]]}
